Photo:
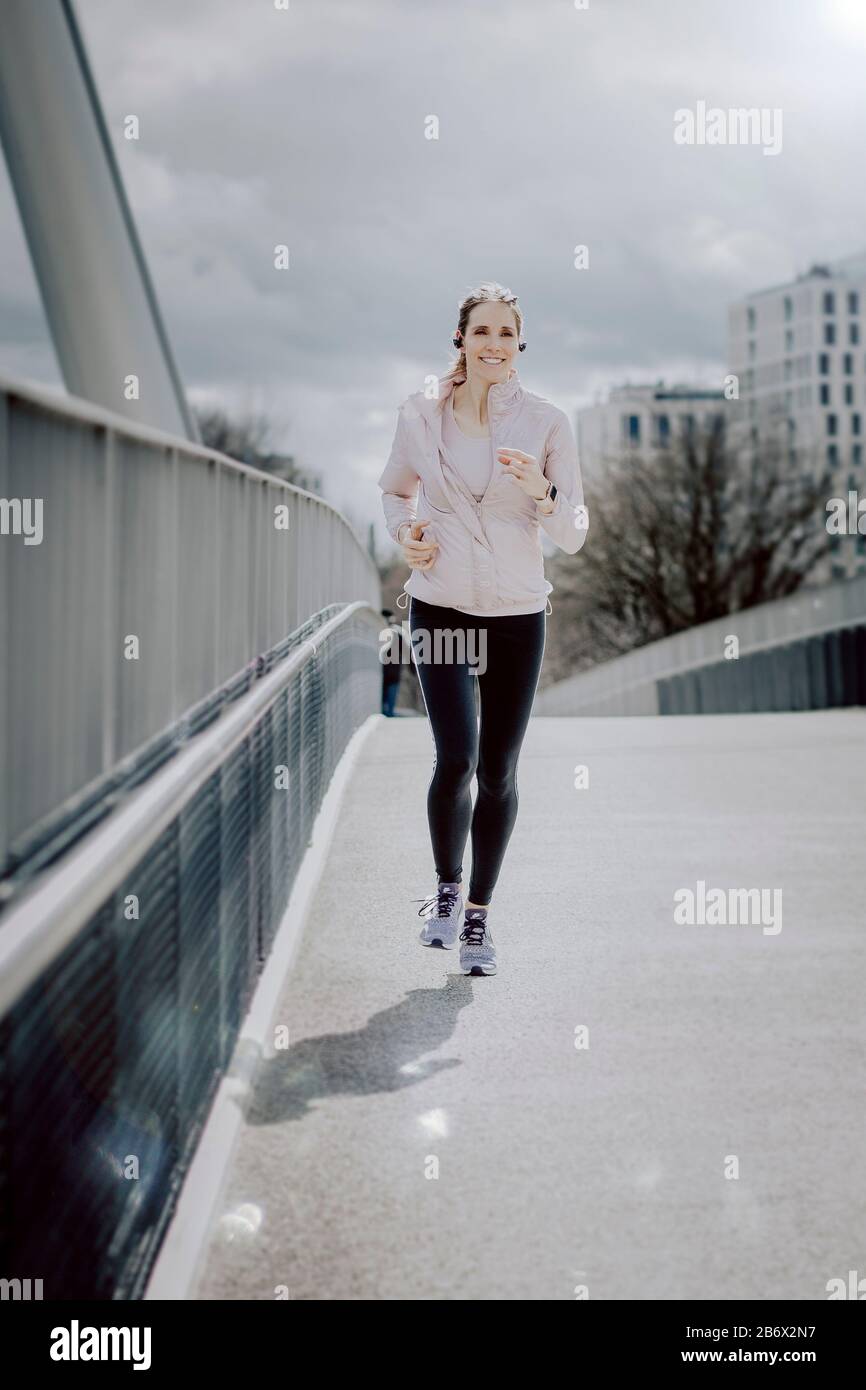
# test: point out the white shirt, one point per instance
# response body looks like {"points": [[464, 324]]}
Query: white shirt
{"points": [[473, 458]]}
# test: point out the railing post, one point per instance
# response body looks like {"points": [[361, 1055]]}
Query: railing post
{"points": [[110, 649], [5, 474]]}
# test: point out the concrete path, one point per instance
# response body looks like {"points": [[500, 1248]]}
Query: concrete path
{"points": [[561, 1167]]}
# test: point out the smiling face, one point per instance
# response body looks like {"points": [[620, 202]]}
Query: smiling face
{"points": [[490, 342]]}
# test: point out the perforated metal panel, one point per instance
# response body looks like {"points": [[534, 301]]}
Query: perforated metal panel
{"points": [[108, 1064]]}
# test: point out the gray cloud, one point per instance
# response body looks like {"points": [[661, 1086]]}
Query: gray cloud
{"points": [[306, 127]]}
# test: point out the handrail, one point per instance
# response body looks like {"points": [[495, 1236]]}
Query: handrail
{"points": [[206, 560], [46, 918], [830, 608], [88, 413]]}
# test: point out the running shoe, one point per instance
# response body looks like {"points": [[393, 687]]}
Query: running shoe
{"points": [[477, 952], [444, 914]]}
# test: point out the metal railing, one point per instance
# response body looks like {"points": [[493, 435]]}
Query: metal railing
{"points": [[127, 968], [147, 537], [807, 651]]}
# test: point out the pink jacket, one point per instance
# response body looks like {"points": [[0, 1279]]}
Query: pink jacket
{"points": [[489, 551]]}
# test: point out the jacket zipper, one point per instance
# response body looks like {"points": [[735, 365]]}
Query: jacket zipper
{"points": [[483, 601]]}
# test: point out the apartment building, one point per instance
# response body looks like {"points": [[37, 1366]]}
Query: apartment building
{"points": [[640, 418], [799, 354]]}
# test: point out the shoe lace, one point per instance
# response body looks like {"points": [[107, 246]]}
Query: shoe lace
{"points": [[474, 931], [443, 901]]}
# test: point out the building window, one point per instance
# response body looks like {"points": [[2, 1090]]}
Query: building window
{"points": [[688, 425], [751, 349], [662, 427], [857, 454], [854, 334], [789, 308], [824, 390], [789, 369], [849, 394], [789, 339], [631, 428], [829, 302], [829, 334], [833, 455], [824, 364], [831, 424], [855, 423], [853, 302], [750, 319], [848, 363]]}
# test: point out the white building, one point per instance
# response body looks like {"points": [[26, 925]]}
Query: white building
{"points": [[639, 419], [798, 352]]}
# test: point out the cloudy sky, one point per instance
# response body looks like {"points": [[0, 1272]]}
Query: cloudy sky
{"points": [[261, 126]]}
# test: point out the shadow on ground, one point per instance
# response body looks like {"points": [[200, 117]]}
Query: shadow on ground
{"points": [[382, 1056]]}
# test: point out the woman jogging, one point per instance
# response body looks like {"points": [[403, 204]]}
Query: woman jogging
{"points": [[474, 471]]}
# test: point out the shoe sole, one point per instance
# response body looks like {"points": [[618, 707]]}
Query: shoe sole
{"points": [[437, 941], [479, 970]]}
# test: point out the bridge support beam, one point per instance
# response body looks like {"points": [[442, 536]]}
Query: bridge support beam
{"points": [[99, 300]]}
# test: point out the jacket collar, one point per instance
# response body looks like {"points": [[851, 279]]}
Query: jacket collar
{"points": [[502, 397]]}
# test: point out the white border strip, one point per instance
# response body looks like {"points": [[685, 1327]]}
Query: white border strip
{"points": [[180, 1263]]}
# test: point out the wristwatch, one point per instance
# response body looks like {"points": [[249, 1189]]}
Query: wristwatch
{"points": [[549, 496]]}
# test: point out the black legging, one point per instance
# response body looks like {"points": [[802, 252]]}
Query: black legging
{"points": [[508, 652]]}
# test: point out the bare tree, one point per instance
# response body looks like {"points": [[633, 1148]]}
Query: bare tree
{"points": [[699, 530], [248, 438]]}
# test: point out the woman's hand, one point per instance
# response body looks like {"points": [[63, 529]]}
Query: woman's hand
{"points": [[525, 471], [418, 554]]}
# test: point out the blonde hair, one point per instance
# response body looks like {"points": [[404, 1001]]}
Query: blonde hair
{"points": [[488, 290]]}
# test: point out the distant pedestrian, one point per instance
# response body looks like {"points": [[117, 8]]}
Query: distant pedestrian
{"points": [[391, 665]]}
